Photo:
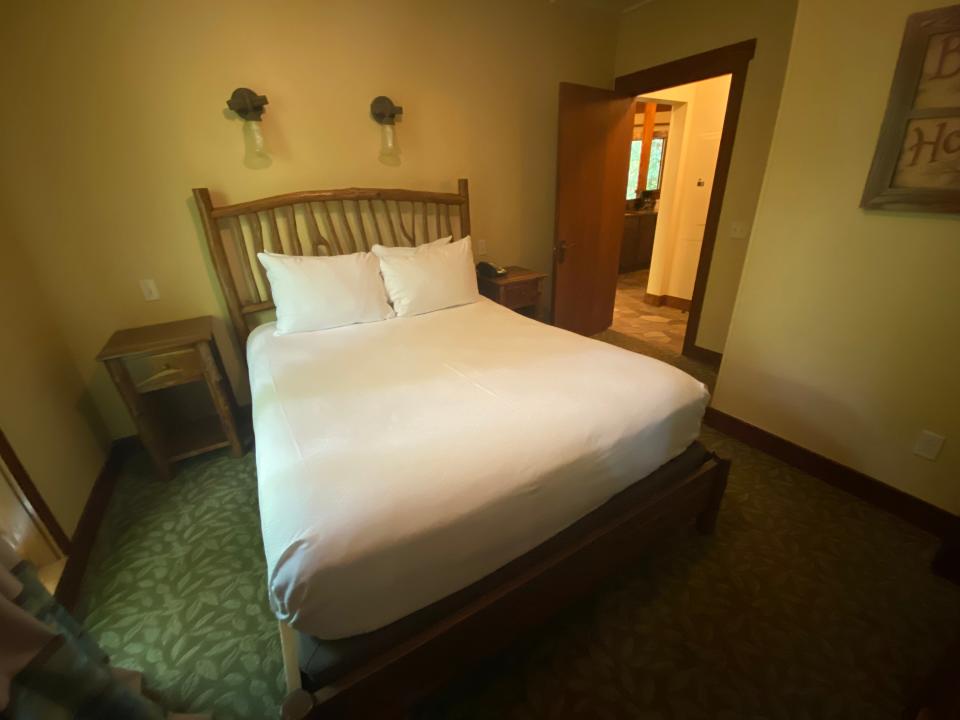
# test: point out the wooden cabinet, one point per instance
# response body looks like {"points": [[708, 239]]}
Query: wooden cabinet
{"points": [[519, 289], [145, 362], [636, 250]]}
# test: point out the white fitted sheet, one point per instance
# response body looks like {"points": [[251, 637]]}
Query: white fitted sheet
{"points": [[402, 460]]}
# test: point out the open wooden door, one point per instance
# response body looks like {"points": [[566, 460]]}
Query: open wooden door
{"points": [[593, 154]]}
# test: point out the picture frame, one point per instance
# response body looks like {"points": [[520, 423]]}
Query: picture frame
{"points": [[916, 166]]}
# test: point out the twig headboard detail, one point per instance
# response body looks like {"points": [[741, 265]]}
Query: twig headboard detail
{"points": [[318, 222]]}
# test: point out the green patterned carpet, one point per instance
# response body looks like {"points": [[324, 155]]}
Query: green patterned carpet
{"points": [[806, 604]]}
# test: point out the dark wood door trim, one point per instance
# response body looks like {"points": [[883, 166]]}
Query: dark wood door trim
{"points": [[38, 505], [910, 508], [730, 59]]}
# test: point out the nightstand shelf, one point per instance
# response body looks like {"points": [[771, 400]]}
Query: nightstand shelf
{"points": [[519, 289], [149, 364]]}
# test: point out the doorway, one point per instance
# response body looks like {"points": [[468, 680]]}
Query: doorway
{"points": [[673, 156], [595, 134], [26, 523]]}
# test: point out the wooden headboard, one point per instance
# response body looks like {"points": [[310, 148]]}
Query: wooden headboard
{"points": [[317, 222]]}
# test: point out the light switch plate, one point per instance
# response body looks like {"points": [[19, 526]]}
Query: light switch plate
{"points": [[928, 445], [149, 289], [481, 247]]}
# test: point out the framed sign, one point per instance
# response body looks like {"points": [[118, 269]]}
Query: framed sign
{"points": [[917, 162]]}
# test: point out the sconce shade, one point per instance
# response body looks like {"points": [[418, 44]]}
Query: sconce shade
{"points": [[384, 111], [247, 104]]}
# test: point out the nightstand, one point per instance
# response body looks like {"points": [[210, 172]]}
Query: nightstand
{"points": [[518, 290], [147, 364]]}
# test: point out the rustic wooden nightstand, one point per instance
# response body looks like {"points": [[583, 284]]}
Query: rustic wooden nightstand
{"points": [[146, 362], [518, 290]]}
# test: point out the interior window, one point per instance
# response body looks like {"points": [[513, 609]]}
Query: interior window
{"points": [[634, 171], [654, 169]]}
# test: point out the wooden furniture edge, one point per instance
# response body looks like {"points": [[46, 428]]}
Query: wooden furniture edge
{"points": [[67, 592], [912, 509], [121, 345], [410, 670], [210, 215], [515, 273]]}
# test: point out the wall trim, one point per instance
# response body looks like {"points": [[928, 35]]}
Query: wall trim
{"points": [[68, 589], [915, 511], [673, 301], [704, 355], [690, 349]]}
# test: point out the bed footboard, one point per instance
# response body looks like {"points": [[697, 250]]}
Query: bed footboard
{"points": [[388, 683]]}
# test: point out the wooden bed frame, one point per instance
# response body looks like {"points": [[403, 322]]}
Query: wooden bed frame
{"points": [[529, 590], [318, 222]]}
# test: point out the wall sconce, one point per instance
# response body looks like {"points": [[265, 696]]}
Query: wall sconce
{"points": [[385, 113], [250, 106]]}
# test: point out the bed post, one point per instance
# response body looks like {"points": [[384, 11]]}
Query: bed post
{"points": [[707, 519], [464, 190], [220, 263]]}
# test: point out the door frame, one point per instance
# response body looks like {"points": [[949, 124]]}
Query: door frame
{"points": [[727, 60], [34, 504]]}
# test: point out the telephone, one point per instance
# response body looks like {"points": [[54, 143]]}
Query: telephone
{"points": [[486, 269]]}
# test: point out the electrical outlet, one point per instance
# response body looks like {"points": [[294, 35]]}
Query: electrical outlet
{"points": [[928, 445], [739, 230], [149, 289], [481, 247]]}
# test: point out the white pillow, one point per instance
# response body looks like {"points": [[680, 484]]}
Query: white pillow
{"points": [[316, 293], [426, 281], [388, 251]]}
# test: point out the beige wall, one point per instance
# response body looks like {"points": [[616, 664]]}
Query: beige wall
{"points": [[44, 408], [659, 32], [122, 112], [696, 125], [845, 336]]}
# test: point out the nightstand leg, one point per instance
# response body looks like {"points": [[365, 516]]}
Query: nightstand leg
{"points": [[222, 399], [149, 435]]}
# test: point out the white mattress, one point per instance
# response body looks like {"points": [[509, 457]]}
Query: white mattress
{"points": [[402, 460]]}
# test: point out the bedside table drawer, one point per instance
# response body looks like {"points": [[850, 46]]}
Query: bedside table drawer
{"points": [[521, 294], [155, 372]]}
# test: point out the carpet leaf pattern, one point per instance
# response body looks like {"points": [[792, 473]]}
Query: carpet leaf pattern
{"points": [[805, 604], [176, 588]]}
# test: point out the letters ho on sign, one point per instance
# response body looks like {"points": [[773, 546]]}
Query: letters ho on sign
{"points": [[917, 162]]}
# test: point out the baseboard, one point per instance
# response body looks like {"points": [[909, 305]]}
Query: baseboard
{"points": [[68, 589], [702, 354], [907, 507], [668, 300]]}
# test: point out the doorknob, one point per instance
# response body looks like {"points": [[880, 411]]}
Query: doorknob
{"points": [[561, 249]]}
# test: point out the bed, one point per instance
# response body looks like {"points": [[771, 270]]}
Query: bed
{"points": [[431, 485]]}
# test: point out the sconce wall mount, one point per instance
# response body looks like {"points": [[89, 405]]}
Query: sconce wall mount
{"points": [[247, 104], [384, 111]]}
